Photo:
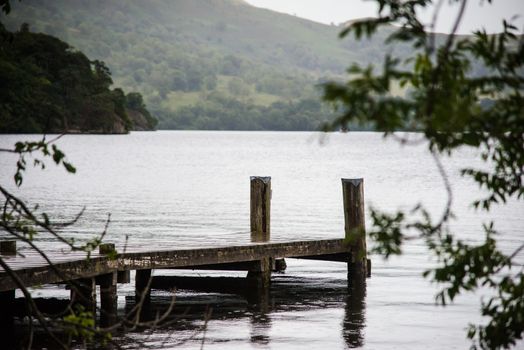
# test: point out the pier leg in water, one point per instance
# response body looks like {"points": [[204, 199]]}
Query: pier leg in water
{"points": [[259, 276], [142, 281], [7, 302], [258, 283], [355, 229], [108, 299], [83, 293], [124, 276]]}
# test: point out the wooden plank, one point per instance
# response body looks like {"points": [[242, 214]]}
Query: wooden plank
{"points": [[81, 268], [234, 266], [339, 257], [70, 270], [195, 257]]}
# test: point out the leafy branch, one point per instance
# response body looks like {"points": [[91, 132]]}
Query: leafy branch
{"points": [[451, 106]]}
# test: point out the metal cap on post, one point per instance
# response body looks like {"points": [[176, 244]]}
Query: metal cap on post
{"points": [[355, 227], [260, 208]]}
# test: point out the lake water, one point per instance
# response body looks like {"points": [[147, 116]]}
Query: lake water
{"points": [[193, 188]]}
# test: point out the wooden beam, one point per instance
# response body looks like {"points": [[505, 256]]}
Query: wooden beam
{"points": [[339, 257], [233, 266], [233, 285], [161, 259], [70, 270], [204, 256]]}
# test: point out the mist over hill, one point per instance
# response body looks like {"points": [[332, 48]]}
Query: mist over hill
{"points": [[207, 64]]}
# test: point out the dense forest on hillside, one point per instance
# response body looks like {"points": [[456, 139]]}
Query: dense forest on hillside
{"points": [[47, 87], [212, 64]]}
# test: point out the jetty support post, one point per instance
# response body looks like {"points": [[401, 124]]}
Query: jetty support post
{"points": [[124, 276], [143, 281], [259, 276], [108, 298], [7, 300], [355, 229], [83, 293], [7, 304], [142, 286], [108, 289]]}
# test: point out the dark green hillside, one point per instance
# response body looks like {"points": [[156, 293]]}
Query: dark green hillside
{"points": [[47, 87], [190, 56]]}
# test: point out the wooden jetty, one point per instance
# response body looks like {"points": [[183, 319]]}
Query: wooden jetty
{"points": [[258, 257]]}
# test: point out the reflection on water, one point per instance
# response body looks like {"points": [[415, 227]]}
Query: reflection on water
{"points": [[287, 294], [260, 326], [355, 316]]}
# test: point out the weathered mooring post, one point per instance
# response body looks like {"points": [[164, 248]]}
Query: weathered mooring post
{"points": [[355, 228], [260, 208], [260, 275]]}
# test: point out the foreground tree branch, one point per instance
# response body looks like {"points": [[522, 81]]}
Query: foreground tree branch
{"points": [[450, 106], [24, 224]]}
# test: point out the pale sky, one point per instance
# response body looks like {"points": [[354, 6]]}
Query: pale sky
{"points": [[478, 14]]}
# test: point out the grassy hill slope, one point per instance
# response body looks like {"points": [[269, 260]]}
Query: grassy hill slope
{"points": [[207, 58]]}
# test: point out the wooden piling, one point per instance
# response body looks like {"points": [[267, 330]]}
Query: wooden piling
{"points": [[258, 284], [7, 303], [259, 275], [142, 279], [8, 247], [260, 208], [83, 293], [108, 298], [124, 276], [355, 228], [106, 248], [278, 265]]}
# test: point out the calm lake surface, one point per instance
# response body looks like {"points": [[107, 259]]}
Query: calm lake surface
{"points": [[193, 188]]}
